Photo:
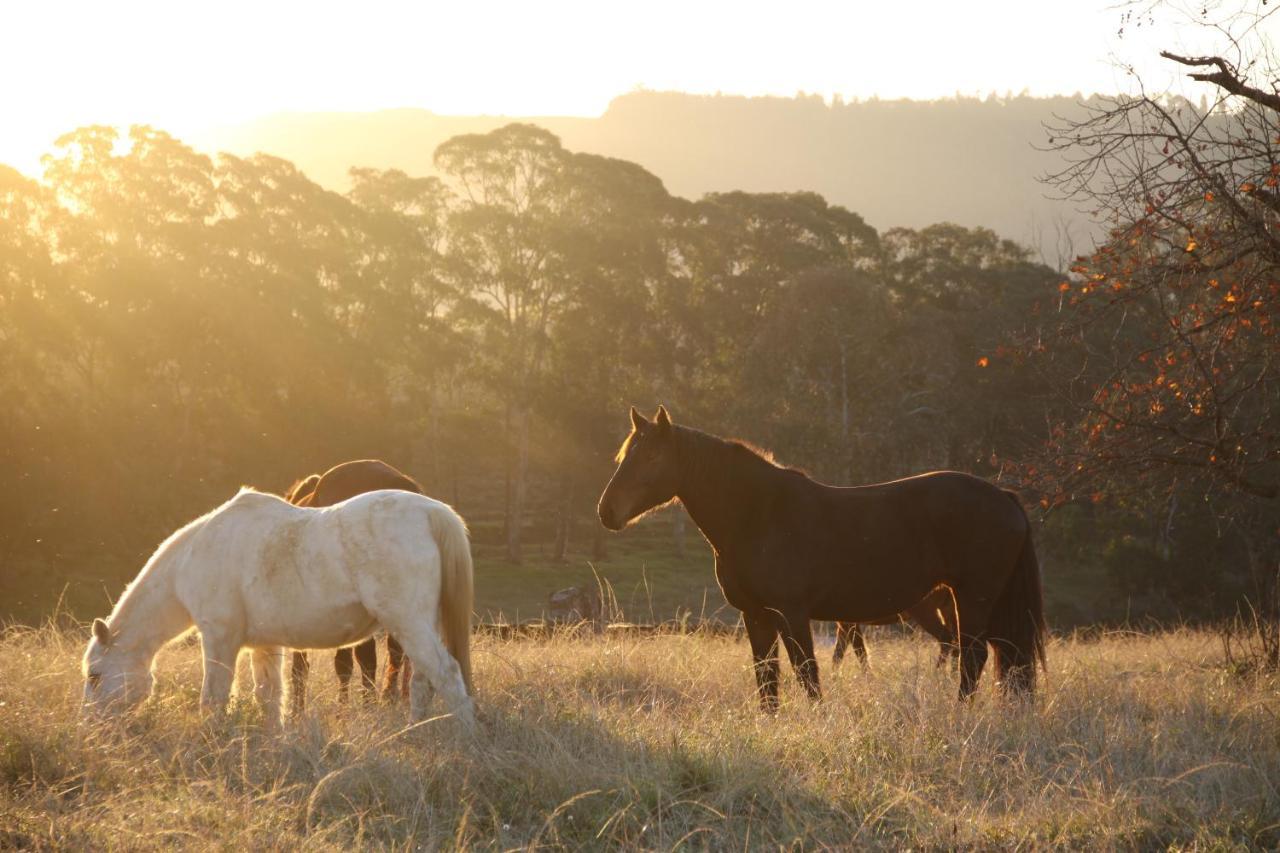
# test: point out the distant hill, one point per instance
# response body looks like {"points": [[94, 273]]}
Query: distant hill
{"points": [[966, 160]]}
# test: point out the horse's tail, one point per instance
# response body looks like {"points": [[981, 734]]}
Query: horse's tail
{"points": [[1017, 629], [457, 586]]}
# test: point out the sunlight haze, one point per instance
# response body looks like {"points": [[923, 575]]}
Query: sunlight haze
{"points": [[188, 68]]}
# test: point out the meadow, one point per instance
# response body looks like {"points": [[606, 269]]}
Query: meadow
{"points": [[1136, 741]]}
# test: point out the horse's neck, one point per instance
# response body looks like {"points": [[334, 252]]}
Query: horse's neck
{"points": [[150, 615], [722, 495]]}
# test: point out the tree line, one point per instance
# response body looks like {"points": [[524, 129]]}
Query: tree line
{"points": [[173, 325]]}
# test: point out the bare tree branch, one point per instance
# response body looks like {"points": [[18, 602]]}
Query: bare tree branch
{"points": [[1227, 77]]}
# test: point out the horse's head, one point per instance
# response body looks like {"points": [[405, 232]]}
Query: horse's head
{"points": [[648, 471], [115, 678]]}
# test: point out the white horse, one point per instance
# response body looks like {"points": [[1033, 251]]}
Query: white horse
{"points": [[262, 573]]}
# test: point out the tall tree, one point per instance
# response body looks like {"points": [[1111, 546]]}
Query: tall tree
{"points": [[506, 244]]}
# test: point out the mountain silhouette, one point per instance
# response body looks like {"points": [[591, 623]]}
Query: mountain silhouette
{"points": [[972, 161]]}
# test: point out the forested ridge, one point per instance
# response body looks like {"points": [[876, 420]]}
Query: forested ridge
{"points": [[174, 325]]}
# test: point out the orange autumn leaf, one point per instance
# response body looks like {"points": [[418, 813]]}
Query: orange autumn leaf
{"points": [[1208, 196], [983, 362], [1191, 244]]}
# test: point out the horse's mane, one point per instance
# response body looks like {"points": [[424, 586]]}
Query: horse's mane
{"points": [[746, 450], [178, 537]]}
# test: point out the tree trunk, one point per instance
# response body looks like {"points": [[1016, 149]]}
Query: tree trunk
{"points": [[518, 487], [846, 452], [678, 525], [564, 518]]}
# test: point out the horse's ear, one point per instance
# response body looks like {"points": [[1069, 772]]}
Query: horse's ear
{"points": [[662, 419], [638, 422], [102, 632]]}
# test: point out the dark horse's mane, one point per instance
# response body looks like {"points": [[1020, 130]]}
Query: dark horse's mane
{"points": [[736, 450]]}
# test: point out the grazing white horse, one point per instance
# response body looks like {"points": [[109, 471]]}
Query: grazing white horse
{"points": [[262, 573]]}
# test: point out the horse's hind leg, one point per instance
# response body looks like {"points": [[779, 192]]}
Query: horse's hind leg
{"points": [[391, 689], [266, 683], [434, 667], [343, 663], [367, 656], [298, 683]]}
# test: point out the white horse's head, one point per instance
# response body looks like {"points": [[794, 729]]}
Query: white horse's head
{"points": [[115, 678]]}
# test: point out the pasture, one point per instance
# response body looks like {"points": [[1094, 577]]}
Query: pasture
{"points": [[1135, 741]]}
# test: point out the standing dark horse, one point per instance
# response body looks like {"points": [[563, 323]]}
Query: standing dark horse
{"points": [[931, 615], [789, 549], [335, 486]]}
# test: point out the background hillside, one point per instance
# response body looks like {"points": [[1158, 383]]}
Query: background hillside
{"points": [[971, 161]]}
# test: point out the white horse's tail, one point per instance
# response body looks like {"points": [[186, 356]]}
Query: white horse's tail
{"points": [[457, 586]]}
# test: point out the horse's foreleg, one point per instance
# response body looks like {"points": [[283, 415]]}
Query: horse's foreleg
{"points": [[267, 663], [797, 637], [219, 670], [859, 642], [842, 642], [367, 656], [298, 683], [762, 631], [973, 656]]}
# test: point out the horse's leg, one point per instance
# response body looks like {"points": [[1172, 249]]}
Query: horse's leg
{"points": [[267, 663], [298, 683], [762, 631], [434, 668], [367, 656], [343, 663], [842, 642], [405, 679], [219, 652], [973, 656], [972, 610], [395, 663], [797, 638], [859, 642], [931, 615]]}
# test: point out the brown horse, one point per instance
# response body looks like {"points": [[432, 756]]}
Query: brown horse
{"points": [[335, 486], [789, 549], [930, 615]]}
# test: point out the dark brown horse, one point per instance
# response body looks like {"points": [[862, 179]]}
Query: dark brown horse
{"points": [[789, 549], [931, 615], [335, 486]]}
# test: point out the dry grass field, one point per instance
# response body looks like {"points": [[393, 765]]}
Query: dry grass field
{"points": [[1136, 741]]}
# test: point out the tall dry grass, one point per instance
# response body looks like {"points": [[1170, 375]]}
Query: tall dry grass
{"points": [[1136, 741]]}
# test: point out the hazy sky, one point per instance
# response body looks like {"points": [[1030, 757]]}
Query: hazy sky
{"points": [[186, 65]]}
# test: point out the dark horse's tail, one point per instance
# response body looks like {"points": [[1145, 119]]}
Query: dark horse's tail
{"points": [[1017, 630]]}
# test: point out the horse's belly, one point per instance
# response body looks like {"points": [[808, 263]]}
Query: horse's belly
{"points": [[321, 628], [305, 609]]}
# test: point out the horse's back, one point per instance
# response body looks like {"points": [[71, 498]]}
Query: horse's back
{"points": [[349, 479], [947, 501]]}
